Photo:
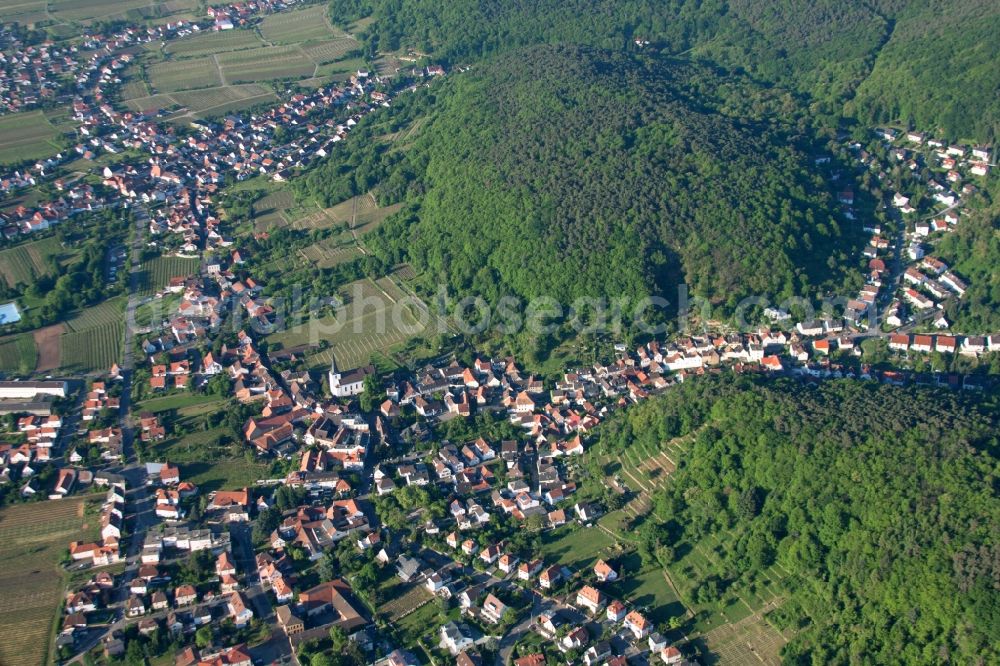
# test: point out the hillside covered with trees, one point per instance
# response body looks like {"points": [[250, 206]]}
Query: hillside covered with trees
{"points": [[929, 62], [879, 501], [579, 172]]}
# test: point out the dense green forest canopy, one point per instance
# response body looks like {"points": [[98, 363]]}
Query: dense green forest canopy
{"points": [[575, 172], [930, 62], [881, 502], [974, 252]]}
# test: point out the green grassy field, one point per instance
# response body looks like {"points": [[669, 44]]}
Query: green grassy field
{"points": [[33, 538], [26, 136], [577, 547], [224, 474], [155, 274], [208, 454], [179, 401]]}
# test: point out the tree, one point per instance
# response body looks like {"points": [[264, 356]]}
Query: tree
{"points": [[203, 636], [371, 394], [339, 639]]}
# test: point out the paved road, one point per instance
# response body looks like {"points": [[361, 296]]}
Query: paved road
{"points": [[139, 501]]}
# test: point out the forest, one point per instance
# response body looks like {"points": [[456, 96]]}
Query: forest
{"points": [[572, 172], [880, 501], [927, 62]]}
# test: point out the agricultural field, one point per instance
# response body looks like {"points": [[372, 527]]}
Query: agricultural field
{"points": [[92, 338], [277, 200], [18, 354], [330, 50], [26, 136], [264, 64], [296, 27], [406, 599], [48, 343], [135, 89], [132, 10], [151, 103], [91, 349], [331, 252], [155, 274], [187, 74], [33, 539], [217, 101], [368, 323], [207, 43], [24, 263], [736, 630], [361, 213], [107, 313], [27, 12]]}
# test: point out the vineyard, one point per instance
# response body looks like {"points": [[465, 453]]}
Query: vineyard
{"points": [[298, 26], [18, 354], [104, 314], [33, 538], [184, 74], [24, 263], [263, 64], [155, 274], [92, 349], [207, 43]]}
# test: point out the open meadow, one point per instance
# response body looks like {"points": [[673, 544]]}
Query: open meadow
{"points": [[201, 443], [33, 539]]}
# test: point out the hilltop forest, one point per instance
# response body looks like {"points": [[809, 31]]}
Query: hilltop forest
{"points": [[575, 172], [879, 501], [929, 62]]}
